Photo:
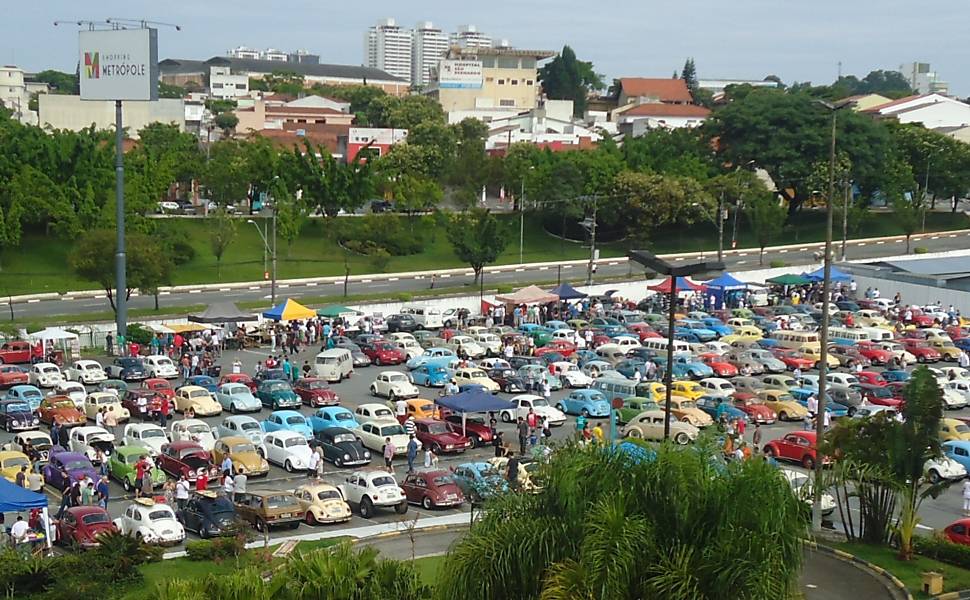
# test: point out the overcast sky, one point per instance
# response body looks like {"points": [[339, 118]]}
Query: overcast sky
{"points": [[796, 40]]}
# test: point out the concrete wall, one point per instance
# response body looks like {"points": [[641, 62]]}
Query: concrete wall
{"points": [[72, 113]]}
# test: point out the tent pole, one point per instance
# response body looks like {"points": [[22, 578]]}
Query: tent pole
{"points": [[47, 528]]}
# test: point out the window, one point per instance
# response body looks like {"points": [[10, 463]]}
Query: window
{"points": [[505, 62], [217, 86], [506, 102], [529, 82], [489, 79], [501, 82], [515, 82]]}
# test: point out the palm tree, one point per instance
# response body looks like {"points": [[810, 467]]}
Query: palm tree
{"points": [[679, 525]]}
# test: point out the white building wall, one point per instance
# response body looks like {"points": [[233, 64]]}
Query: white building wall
{"points": [[468, 36], [223, 84], [70, 112], [940, 114], [430, 46], [14, 95], [388, 47]]}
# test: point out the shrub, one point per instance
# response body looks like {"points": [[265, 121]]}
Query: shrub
{"points": [[139, 334], [199, 550], [941, 549], [920, 250], [404, 297], [379, 259], [777, 264], [218, 548], [503, 289], [381, 232]]}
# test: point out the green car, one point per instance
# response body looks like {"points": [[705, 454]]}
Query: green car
{"points": [[276, 394], [541, 337], [632, 407], [121, 465]]}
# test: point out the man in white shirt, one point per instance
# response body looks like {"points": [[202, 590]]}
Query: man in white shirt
{"points": [[312, 465], [240, 484], [812, 403], [400, 407], [19, 530], [182, 488]]}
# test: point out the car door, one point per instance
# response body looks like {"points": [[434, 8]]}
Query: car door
{"points": [[524, 405], [958, 533], [788, 447], [276, 449]]}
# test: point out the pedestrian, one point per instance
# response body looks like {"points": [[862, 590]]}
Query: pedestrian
{"points": [[202, 481], [99, 417], [228, 486], [430, 458], [226, 466], [756, 437], [182, 487], [812, 404], [546, 429], [389, 450], [826, 420], [168, 492], [21, 479], [532, 419], [409, 426], [147, 483], [240, 485], [966, 497], [412, 452], [87, 494], [598, 433], [141, 470], [741, 426], [111, 422], [497, 444], [103, 492], [65, 498], [312, 463], [523, 431], [400, 408]]}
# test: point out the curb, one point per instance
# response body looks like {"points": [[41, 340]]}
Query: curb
{"points": [[399, 533], [886, 575], [961, 595]]}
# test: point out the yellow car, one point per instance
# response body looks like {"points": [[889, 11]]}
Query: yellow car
{"points": [[686, 411], [198, 399], [783, 404], [813, 354], [474, 376], [98, 400], [10, 463], [946, 348], [420, 408], [322, 503], [953, 429], [652, 390], [245, 458], [687, 389]]}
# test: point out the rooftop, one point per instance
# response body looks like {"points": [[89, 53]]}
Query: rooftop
{"points": [[656, 109], [665, 90], [175, 66], [537, 54]]}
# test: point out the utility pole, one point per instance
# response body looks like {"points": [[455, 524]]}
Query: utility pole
{"points": [[273, 283], [121, 286], [720, 227], [845, 216], [591, 226], [521, 219]]}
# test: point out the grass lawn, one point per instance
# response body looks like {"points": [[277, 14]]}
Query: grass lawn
{"points": [[40, 264], [909, 572], [428, 568]]}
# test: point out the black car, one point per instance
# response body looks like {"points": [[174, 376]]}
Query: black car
{"points": [[367, 338], [342, 341], [15, 415], [127, 369], [380, 206], [507, 380], [518, 361], [267, 374], [405, 323], [341, 447], [208, 514]]}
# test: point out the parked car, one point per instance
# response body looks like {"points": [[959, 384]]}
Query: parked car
{"points": [[148, 436], [121, 466], [374, 434], [243, 454], [198, 399], [265, 509], [796, 446], [588, 403], [15, 415], [393, 385], [88, 440], [26, 393], [315, 392], [369, 490], [526, 402], [98, 401], [242, 426], [322, 504], [436, 435], [237, 398], [88, 372], [77, 466], [287, 420], [45, 374], [332, 416], [649, 425], [193, 430], [59, 409], [83, 526], [208, 514], [341, 447], [127, 369], [432, 489], [151, 523], [160, 367], [479, 481], [184, 458]]}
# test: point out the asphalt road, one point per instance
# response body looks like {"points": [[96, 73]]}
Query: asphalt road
{"points": [[735, 260]]}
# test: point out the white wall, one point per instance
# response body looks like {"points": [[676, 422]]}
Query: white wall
{"points": [[70, 112]]}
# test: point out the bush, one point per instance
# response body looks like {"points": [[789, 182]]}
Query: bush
{"points": [[379, 259], [777, 264], [217, 548], [920, 250], [941, 549], [504, 289], [404, 297], [139, 334], [381, 232]]}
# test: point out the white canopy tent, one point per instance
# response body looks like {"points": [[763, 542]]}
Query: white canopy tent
{"points": [[52, 334]]}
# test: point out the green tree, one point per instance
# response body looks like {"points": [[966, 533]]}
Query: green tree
{"points": [[642, 203], [678, 526], [689, 75], [327, 185], [766, 216], [403, 112], [167, 90], [226, 121], [909, 215], [147, 268], [567, 78], [59, 82], [222, 232], [290, 214], [225, 174], [478, 238], [414, 195]]}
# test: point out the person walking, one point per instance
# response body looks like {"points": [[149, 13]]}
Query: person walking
{"points": [[21, 478], [756, 438], [87, 494], [412, 452], [523, 430], [99, 417], [141, 470], [111, 422], [497, 444], [430, 458], [389, 450], [164, 411], [409, 427], [226, 466]]}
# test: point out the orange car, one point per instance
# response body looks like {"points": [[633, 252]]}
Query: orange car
{"points": [[60, 409], [419, 408]]}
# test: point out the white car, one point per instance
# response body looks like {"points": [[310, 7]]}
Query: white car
{"points": [[45, 374], [400, 336], [393, 385], [474, 376], [87, 372], [952, 399], [845, 379], [494, 363], [192, 430], [491, 342], [961, 386], [716, 386], [938, 469], [41, 442], [466, 347], [410, 347], [242, 426], [627, 342], [898, 351], [571, 375], [73, 390], [539, 406], [287, 449], [147, 435], [802, 486], [374, 435], [957, 373], [160, 366], [871, 410], [371, 489], [151, 523], [88, 439], [373, 411], [716, 347]]}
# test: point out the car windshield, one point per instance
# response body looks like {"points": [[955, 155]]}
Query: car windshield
{"points": [[396, 378], [784, 398], [198, 428], [240, 448], [30, 393], [383, 480], [152, 433], [161, 515], [77, 464], [279, 501], [16, 461], [392, 430], [880, 392], [198, 394], [344, 438], [248, 426], [18, 407], [329, 495], [279, 387], [295, 420], [328, 360], [343, 416], [961, 428], [316, 385], [96, 517], [50, 369], [295, 441]]}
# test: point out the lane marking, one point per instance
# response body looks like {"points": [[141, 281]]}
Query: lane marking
{"points": [[782, 251], [393, 279], [338, 282], [899, 241], [567, 266], [519, 270], [283, 285], [802, 249], [952, 235], [445, 275], [311, 284], [164, 293], [101, 296], [68, 298], [612, 263], [195, 291], [935, 237], [254, 287], [861, 244], [880, 242], [741, 262], [543, 268], [679, 258], [366, 280], [33, 300], [225, 289], [742, 253]]}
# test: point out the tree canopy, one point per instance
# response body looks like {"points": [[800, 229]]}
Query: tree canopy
{"points": [[478, 238], [567, 78]]}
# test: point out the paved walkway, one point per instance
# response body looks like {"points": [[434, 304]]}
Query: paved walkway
{"points": [[825, 577]]}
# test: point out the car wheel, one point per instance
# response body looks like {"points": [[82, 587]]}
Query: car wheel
{"points": [[401, 508], [338, 462], [294, 524], [436, 449], [506, 417], [782, 416], [261, 525], [390, 396], [934, 477], [232, 409], [561, 408], [808, 462], [288, 466], [310, 519], [8, 427], [585, 413], [366, 508], [475, 440], [682, 438], [126, 484], [634, 433], [204, 533], [769, 451], [427, 503], [378, 362], [373, 390], [851, 411], [921, 359]]}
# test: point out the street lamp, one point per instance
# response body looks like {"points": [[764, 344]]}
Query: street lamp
{"points": [[718, 222], [658, 265], [737, 208], [271, 252]]}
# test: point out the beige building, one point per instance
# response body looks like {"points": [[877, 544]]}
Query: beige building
{"points": [[71, 113], [484, 80], [268, 115]]}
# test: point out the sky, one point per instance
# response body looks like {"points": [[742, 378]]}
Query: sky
{"points": [[797, 40]]}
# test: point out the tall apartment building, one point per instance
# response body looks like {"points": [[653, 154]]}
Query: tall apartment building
{"points": [[244, 52], [468, 36], [922, 79], [274, 54], [430, 45], [388, 47]]}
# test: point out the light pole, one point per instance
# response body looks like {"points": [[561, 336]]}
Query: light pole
{"points": [[658, 265], [272, 252], [521, 219], [718, 222], [589, 224], [737, 208], [845, 216]]}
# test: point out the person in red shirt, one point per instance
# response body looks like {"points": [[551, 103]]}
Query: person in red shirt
{"points": [[141, 469], [163, 411], [202, 481]]}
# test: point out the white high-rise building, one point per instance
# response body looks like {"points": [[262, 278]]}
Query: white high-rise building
{"points": [[924, 80], [243, 52], [430, 46], [468, 36], [274, 54], [388, 47]]}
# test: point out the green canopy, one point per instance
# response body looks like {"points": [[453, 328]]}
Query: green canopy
{"points": [[789, 280], [336, 310]]}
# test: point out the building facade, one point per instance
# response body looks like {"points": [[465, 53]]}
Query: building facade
{"points": [[224, 85], [14, 95], [923, 79], [468, 36], [388, 47], [70, 112], [430, 46]]}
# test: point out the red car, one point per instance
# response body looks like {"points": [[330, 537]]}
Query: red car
{"points": [[793, 359], [476, 429], [184, 458], [870, 377], [880, 394], [718, 365], [434, 433], [755, 408], [160, 386], [153, 403], [897, 388], [921, 349], [561, 346], [315, 392], [643, 331], [919, 318], [432, 489], [11, 375], [16, 353], [958, 532], [81, 525], [874, 353], [242, 378], [798, 447], [384, 353], [957, 332]]}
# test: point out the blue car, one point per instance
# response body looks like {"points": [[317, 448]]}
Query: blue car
{"points": [[680, 370], [26, 393], [833, 408], [430, 355], [585, 356], [332, 416], [589, 403], [695, 368], [287, 420], [479, 481], [77, 466], [630, 366], [717, 326], [768, 343], [608, 326], [717, 406], [963, 344], [204, 381], [959, 451], [430, 376], [557, 325], [703, 333], [895, 375]]}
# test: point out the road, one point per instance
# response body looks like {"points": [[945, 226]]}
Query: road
{"points": [[517, 275]]}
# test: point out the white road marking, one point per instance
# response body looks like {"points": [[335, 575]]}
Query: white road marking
{"points": [[227, 289], [612, 263], [899, 241], [101, 296], [445, 275], [195, 291], [366, 280], [338, 282], [935, 237], [679, 258], [952, 235], [33, 300], [802, 249], [254, 287], [782, 251], [311, 283], [567, 266], [543, 268], [861, 244], [742, 253], [283, 285], [741, 262], [519, 270], [880, 242], [393, 279], [68, 298], [164, 293], [926, 527]]}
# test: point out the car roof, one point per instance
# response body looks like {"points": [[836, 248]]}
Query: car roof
{"points": [[286, 413], [192, 388], [335, 431], [184, 444]]}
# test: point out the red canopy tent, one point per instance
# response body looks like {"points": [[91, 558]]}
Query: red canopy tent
{"points": [[683, 285]]}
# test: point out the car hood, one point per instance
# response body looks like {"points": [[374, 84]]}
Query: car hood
{"points": [[450, 438], [352, 448], [283, 395], [78, 474], [21, 415]]}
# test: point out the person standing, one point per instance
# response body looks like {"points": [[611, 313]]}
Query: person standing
{"points": [[400, 408], [966, 497], [163, 411], [182, 488], [111, 422], [202, 481], [389, 450], [87, 494], [226, 466], [430, 458], [412, 452], [141, 471], [228, 486], [523, 430], [21, 479], [812, 404], [240, 485], [99, 417], [756, 437], [312, 464], [409, 427], [497, 444]]}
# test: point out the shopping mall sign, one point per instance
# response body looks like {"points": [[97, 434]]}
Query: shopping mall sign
{"points": [[119, 64]]}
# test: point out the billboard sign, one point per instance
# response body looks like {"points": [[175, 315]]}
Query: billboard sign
{"points": [[119, 64], [460, 74]]}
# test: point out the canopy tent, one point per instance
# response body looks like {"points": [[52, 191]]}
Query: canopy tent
{"points": [[835, 274], [160, 329], [289, 310], [683, 285], [52, 334], [184, 327], [567, 292], [336, 310], [473, 401], [789, 279], [528, 295], [14, 498], [727, 282], [723, 289], [222, 312]]}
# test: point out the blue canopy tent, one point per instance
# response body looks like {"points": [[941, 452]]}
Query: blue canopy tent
{"points": [[14, 498], [836, 275], [567, 292], [473, 401], [720, 288]]}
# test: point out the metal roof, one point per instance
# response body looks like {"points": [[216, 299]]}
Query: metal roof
{"points": [[944, 268]]}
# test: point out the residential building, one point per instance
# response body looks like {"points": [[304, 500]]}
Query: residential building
{"points": [[640, 90], [224, 85], [487, 83], [70, 112], [931, 110], [244, 52], [264, 115], [550, 125], [960, 133], [922, 79], [863, 101], [15, 96], [333, 138], [302, 56], [375, 141], [468, 36], [430, 46], [388, 47], [645, 103], [274, 55]]}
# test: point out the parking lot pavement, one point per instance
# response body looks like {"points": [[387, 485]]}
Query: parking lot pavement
{"points": [[936, 513]]}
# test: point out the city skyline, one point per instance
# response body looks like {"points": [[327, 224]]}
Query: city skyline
{"points": [[750, 39]]}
